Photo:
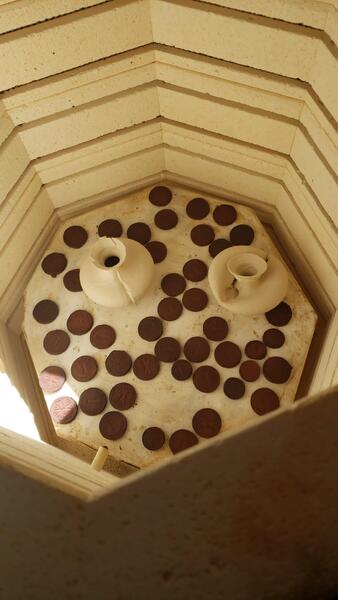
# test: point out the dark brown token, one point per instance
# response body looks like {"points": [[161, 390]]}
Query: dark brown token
{"points": [[157, 250], [196, 349], [255, 349], [122, 396], [56, 342], [225, 214], [264, 401], [140, 232], [198, 208], [181, 440], [206, 379], [242, 235], [167, 349], [195, 299], [218, 246], [234, 388], [71, 281], [170, 309], [228, 354], [277, 369], [249, 370], [92, 401], [160, 195], [273, 338], [45, 311], [110, 228], [63, 410], [84, 368], [102, 336], [181, 370], [113, 425], [206, 422], [173, 284], [79, 322], [146, 366], [280, 315], [166, 219], [75, 236], [195, 270], [51, 379], [153, 438], [215, 329], [202, 235], [54, 264], [150, 329], [118, 363]]}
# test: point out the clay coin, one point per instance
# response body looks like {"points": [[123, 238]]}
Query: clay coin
{"points": [[79, 322], [206, 422], [195, 299], [122, 396], [84, 368], [181, 440], [228, 354], [215, 329], [146, 366], [75, 236], [56, 342], [113, 425], [54, 264], [249, 370], [196, 349], [51, 379], [157, 250], [198, 208], [202, 235], [264, 401], [71, 281], [45, 311], [181, 370], [225, 214], [153, 438], [160, 195], [63, 410], [102, 336], [255, 349], [140, 232], [167, 349], [218, 246], [150, 329], [280, 315], [234, 388], [273, 338], [173, 284], [110, 228], [195, 270], [242, 235], [166, 219], [118, 363], [169, 309], [277, 369], [206, 379], [92, 401]]}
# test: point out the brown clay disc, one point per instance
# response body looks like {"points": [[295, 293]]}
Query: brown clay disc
{"points": [[160, 195], [53, 264], [170, 309], [264, 401], [198, 208], [113, 425], [242, 235], [166, 219], [218, 246], [225, 214], [206, 379], [273, 338], [92, 401], [181, 440], [167, 349], [118, 363], [63, 410], [71, 281], [255, 349], [228, 354], [79, 322], [51, 379], [140, 232], [56, 342], [195, 299], [157, 250], [196, 349], [206, 422], [195, 270], [110, 228], [153, 438], [150, 329], [234, 388], [280, 315], [202, 235], [84, 368], [181, 370], [173, 284], [146, 366], [45, 311], [277, 369], [102, 336], [215, 328], [122, 396], [75, 236], [249, 370]]}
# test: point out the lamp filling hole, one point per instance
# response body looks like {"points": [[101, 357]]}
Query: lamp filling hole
{"points": [[111, 261]]}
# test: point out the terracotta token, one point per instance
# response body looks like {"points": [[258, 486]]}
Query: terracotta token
{"points": [[242, 235], [118, 363], [79, 322], [63, 410], [166, 219], [51, 379], [228, 354], [273, 338], [150, 329], [249, 370], [54, 264], [173, 284], [110, 228], [181, 440], [206, 422], [225, 214], [198, 208], [167, 349], [195, 299], [280, 315], [215, 329], [122, 396], [160, 195], [84, 368], [234, 388], [75, 236], [140, 232], [45, 311], [264, 401], [113, 425], [255, 349], [146, 366], [71, 281], [206, 379], [56, 342], [92, 401], [102, 336], [181, 370], [170, 309], [157, 250], [196, 349], [202, 235], [153, 438], [195, 270], [218, 246], [277, 369]]}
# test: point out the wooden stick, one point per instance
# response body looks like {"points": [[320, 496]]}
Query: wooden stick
{"points": [[100, 458]]}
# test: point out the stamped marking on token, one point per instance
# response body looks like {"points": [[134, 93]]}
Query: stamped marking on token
{"points": [[84, 368], [249, 370], [181, 370], [56, 342], [255, 349], [146, 366], [113, 425], [206, 422], [51, 379], [79, 322], [92, 401], [167, 349], [63, 410], [118, 363], [206, 379], [196, 349], [102, 336], [122, 396], [150, 329]]}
